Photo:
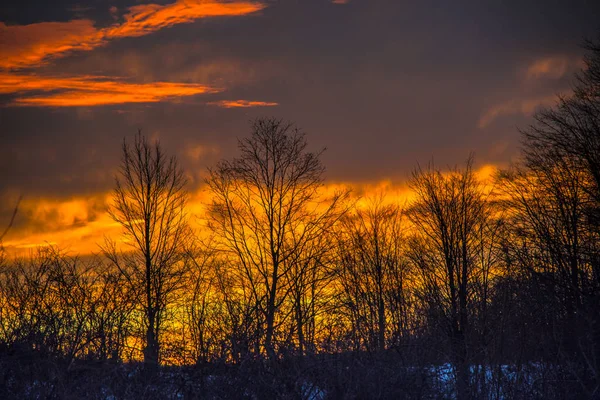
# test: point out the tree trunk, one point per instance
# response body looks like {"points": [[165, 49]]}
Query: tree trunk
{"points": [[151, 350], [270, 324], [461, 365], [299, 323], [381, 323]]}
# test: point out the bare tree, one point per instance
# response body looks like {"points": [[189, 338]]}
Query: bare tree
{"points": [[62, 306], [373, 273], [573, 125], [311, 277], [553, 198], [267, 208], [451, 216], [149, 203]]}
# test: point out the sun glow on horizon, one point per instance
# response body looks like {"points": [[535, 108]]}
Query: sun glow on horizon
{"points": [[80, 224]]}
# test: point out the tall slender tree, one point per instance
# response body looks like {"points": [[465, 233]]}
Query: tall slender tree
{"points": [[148, 202]]}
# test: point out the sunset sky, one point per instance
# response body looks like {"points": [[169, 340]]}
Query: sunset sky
{"points": [[383, 85]]}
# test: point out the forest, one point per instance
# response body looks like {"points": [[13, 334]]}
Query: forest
{"points": [[472, 289]]}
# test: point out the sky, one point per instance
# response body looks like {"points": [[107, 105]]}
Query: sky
{"points": [[382, 84]]}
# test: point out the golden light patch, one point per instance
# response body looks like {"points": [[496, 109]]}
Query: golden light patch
{"points": [[362, 193], [77, 224], [486, 173], [80, 224]]}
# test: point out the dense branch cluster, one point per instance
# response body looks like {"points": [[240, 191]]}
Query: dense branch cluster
{"points": [[497, 281]]}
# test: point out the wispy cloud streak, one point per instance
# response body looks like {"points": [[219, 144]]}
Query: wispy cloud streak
{"points": [[554, 67], [33, 90], [242, 104], [524, 107]]}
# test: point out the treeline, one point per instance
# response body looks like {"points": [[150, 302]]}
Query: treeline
{"points": [[471, 289]]}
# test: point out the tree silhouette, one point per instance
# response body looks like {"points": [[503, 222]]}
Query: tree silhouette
{"points": [[149, 203], [373, 272], [267, 209], [452, 221]]}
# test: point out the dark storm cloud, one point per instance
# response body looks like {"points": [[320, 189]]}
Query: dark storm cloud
{"points": [[382, 84]]}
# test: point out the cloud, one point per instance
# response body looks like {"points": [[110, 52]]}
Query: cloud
{"points": [[196, 152], [114, 12], [34, 44], [241, 104], [80, 223], [551, 67], [524, 107], [147, 18], [554, 67], [92, 90], [77, 223]]}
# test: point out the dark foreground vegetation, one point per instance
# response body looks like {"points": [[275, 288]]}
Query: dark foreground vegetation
{"points": [[471, 290], [351, 375]]}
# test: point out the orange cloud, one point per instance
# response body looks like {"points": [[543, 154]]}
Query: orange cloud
{"points": [[80, 224], [518, 106], [77, 224], [92, 90], [30, 45], [34, 44], [242, 104], [147, 18]]}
